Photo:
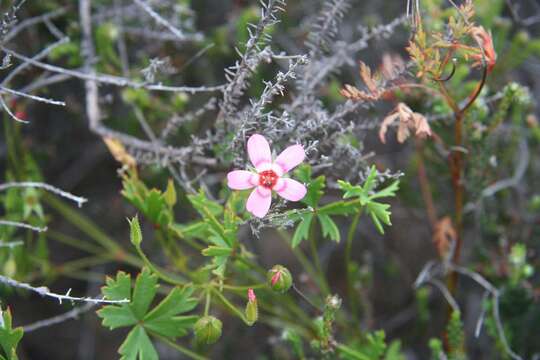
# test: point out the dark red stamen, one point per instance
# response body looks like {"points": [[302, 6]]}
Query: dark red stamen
{"points": [[268, 179]]}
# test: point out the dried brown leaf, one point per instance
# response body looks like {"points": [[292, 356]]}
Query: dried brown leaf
{"points": [[444, 236], [408, 121], [119, 152]]}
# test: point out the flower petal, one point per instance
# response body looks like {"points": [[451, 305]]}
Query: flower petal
{"points": [[291, 157], [258, 151], [290, 189], [259, 201], [241, 179]]}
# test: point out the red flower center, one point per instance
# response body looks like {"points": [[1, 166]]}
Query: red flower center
{"points": [[268, 179]]}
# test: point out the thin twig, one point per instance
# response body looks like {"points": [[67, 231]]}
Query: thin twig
{"points": [[432, 269], [72, 314], [11, 245], [10, 113], [446, 293], [44, 291], [33, 21], [29, 96], [22, 225], [30, 184], [42, 54], [160, 20], [111, 79]]}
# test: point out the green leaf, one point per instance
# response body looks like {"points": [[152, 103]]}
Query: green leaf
{"points": [[329, 228], [369, 184], [138, 346], [165, 319], [387, 191], [204, 205], [217, 240], [315, 186], [302, 230], [376, 346], [217, 251], [340, 208], [170, 194], [394, 351], [154, 205], [219, 264], [118, 289], [135, 231], [350, 190], [9, 337], [379, 213], [134, 190], [144, 292], [303, 173], [197, 229], [209, 210], [178, 301], [348, 353], [116, 317]]}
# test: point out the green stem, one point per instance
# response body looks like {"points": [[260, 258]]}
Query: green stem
{"points": [[81, 222], [160, 273], [243, 288], [180, 348], [348, 265], [352, 354], [286, 301], [315, 254], [13, 142], [73, 242], [85, 262], [230, 306], [208, 301], [300, 256]]}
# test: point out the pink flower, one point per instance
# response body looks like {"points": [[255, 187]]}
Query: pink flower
{"points": [[251, 295], [268, 176]]}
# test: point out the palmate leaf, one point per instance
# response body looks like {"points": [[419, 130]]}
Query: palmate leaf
{"points": [[302, 230], [9, 337], [138, 346], [315, 186], [219, 228], [164, 319], [329, 228], [204, 205], [379, 213], [153, 203], [366, 196]]}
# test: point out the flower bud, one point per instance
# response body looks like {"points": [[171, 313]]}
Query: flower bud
{"points": [[279, 278], [252, 311], [207, 330]]}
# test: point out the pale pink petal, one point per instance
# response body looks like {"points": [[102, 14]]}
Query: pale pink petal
{"points": [[271, 166], [259, 151], [241, 179], [290, 157], [290, 189], [259, 201]]}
